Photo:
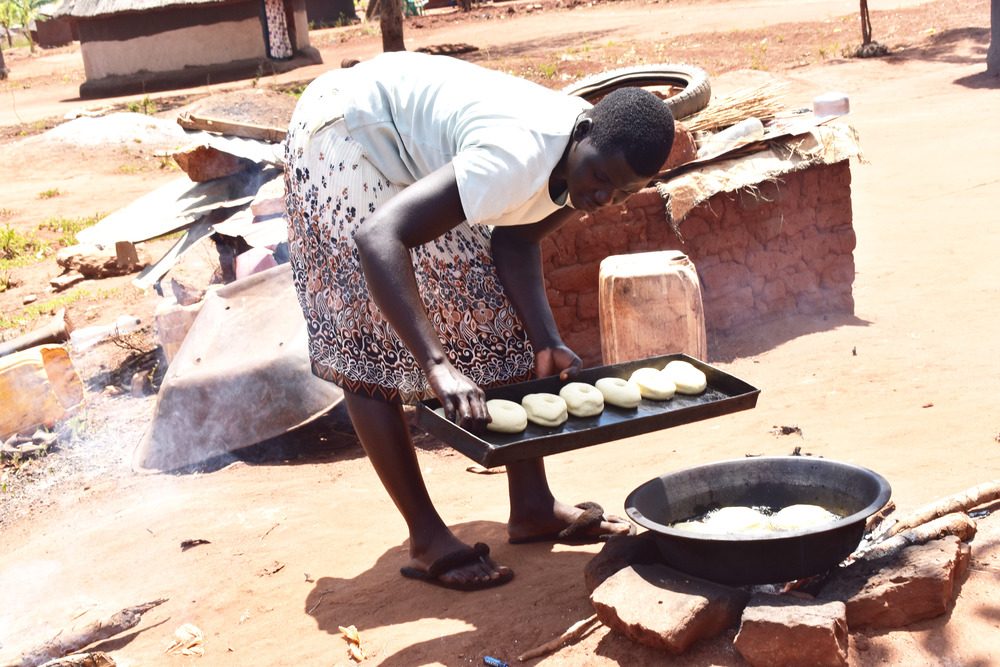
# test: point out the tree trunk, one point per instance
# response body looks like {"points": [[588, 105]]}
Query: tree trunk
{"points": [[993, 55], [3, 67], [866, 24], [390, 19]]}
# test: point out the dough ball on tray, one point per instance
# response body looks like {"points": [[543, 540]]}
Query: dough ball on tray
{"points": [[582, 399], [653, 384], [619, 392], [545, 409], [686, 377], [506, 416]]}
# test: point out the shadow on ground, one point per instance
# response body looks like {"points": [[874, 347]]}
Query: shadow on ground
{"points": [[755, 340]]}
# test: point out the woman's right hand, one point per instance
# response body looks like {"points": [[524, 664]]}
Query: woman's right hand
{"points": [[463, 401]]}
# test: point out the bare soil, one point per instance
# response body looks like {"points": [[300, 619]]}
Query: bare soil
{"points": [[301, 536]]}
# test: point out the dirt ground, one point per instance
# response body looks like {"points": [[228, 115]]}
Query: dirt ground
{"points": [[301, 538]]}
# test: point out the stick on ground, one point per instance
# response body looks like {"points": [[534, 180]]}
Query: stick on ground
{"points": [[62, 645], [95, 659], [574, 631]]}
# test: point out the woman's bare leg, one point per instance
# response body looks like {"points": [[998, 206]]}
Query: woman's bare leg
{"points": [[383, 432], [535, 512]]}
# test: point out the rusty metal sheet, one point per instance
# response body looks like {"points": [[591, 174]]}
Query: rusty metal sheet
{"points": [[241, 376]]}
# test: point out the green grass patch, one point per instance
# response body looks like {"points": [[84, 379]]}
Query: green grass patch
{"points": [[31, 312], [68, 228], [19, 249], [26, 316], [16, 246], [144, 106], [49, 194]]}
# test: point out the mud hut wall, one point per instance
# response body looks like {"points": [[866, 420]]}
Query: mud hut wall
{"points": [[171, 39], [784, 247]]}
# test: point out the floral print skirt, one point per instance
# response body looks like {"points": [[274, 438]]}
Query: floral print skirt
{"points": [[332, 190]]}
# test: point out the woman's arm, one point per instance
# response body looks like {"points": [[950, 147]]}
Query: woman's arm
{"points": [[420, 213], [518, 259]]}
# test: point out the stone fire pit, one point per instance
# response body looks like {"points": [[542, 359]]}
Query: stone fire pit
{"points": [[635, 594]]}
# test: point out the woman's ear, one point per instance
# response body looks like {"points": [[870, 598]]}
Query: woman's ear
{"points": [[582, 128]]}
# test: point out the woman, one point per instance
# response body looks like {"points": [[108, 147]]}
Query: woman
{"points": [[418, 189]]}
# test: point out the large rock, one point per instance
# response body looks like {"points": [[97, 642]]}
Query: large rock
{"points": [[916, 583], [619, 552], [202, 162], [779, 631], [665, 609], [99, 261]]}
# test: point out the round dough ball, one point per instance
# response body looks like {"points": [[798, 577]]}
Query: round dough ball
{"points": [[619, 392], [506, 416], [801, 517], [738, 520], [582, 399], [545, 409], [653, 384], [693, 527], [686, 377]]}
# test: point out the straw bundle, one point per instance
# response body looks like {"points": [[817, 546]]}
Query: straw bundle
{"points": [[762, 102]]}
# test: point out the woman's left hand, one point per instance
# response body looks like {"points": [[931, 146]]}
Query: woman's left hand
{"points": [[557, 359]]}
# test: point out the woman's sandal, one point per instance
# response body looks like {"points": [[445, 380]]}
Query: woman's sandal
{"points": [[454, 560], [579, 530]]}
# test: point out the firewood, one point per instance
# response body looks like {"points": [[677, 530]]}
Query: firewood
{"points": [[959, 502], [573, 632], [876, 520], [957, 524], [95, 659], [62, 645]]}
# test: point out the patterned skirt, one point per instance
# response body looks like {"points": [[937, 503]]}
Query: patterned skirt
{"points": [[332, 190]]}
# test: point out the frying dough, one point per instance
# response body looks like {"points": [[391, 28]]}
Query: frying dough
{"points": [[582, 399], [686, 377], [734, 520], [738, 520], [507, 416], [619, 392], [545, 409], [801, 517], [653, 384]]}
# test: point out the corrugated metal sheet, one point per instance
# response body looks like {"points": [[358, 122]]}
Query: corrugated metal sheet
{"points": [[93, 8]]}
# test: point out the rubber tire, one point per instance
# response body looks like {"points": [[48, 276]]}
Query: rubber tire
{"points": [[696, 94]]}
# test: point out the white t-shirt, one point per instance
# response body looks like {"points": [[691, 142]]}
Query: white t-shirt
{"points": [[414, 113]]}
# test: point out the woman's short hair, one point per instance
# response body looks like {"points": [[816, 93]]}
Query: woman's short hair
{"points": [[636, 122]]}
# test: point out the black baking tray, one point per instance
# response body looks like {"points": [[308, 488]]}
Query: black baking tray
{"points": [[724, 394]]}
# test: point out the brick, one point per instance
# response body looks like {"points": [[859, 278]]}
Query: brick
{"points": [[724, 278], [620, 551], [599, 241], [693, 227], [578, 278], [659, 607], [915, 584], [588, 306], [780, 631]]}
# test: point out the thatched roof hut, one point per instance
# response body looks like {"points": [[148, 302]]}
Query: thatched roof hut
{"points": [[143, 45]]}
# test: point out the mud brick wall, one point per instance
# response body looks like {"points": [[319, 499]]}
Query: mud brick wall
{"points": [[782, 248]]}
